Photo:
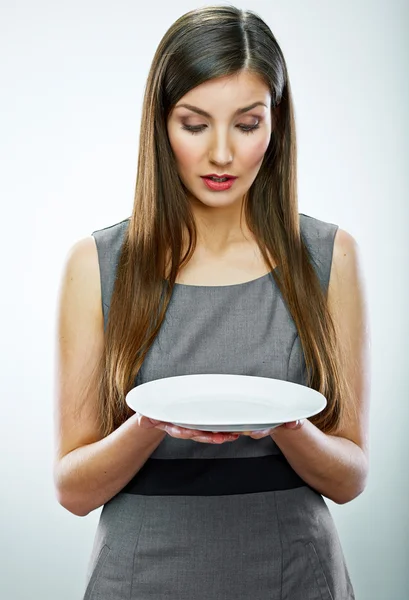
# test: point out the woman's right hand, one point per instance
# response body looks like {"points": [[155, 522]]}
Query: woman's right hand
{"points": [[184, 433]]}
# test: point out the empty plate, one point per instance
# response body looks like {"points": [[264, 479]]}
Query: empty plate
{"points": [[225, 402]]}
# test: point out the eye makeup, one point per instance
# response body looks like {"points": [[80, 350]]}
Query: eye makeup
{"points": [[195, 129]]}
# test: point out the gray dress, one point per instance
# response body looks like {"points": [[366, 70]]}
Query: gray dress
{"points": [[219, 522]]}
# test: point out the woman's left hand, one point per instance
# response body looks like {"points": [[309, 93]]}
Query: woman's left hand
{"points": [[257, 435]]}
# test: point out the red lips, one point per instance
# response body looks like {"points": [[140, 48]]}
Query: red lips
{"points": [[224, 175]]}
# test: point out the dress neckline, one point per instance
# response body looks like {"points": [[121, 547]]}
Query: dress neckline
{"points": [[228, 286]]}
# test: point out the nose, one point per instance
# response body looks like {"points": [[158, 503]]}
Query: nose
{"points": [[220, 152]]}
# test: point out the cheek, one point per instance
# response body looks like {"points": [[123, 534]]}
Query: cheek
{"points": [[186, 153], [186, 158], [254, 153]]}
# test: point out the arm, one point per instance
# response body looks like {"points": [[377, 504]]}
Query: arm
{"points": [[337, 465], [88, 470], [89, 476]]}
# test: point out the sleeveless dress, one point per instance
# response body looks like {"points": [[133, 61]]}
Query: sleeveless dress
{"points": [[219, 522]]}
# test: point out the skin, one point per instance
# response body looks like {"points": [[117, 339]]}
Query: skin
{"points": [[222, 146], [335, 465], [205, 436]]}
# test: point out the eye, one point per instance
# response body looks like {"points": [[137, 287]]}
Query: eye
{"points": [[194, 129], [249, 128]]}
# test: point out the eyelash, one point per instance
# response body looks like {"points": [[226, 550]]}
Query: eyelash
{"points": [[195, 129]]}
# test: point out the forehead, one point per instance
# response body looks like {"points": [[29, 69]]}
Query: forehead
{"points": [[227, 94]]}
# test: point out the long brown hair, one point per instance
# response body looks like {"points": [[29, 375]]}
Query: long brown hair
{"points": [[203, 44]]}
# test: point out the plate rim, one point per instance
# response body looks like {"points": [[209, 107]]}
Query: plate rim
{"points": [[208, 423]]}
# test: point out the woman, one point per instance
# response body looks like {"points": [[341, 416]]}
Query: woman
{"points": [[206, 278]]}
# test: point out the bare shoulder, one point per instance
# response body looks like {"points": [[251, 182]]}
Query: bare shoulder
{"points": [[80, 281], [346, 290], [346, 267], [82, 260], [346, 253]]}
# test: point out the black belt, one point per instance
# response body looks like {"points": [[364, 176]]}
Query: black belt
{"points": [[213, 476]]}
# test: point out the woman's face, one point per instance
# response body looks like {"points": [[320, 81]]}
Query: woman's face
{"points": [[219, 143]]}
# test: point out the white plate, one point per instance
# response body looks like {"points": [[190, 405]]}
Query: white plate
{"points": [[223, 402], [230, 428]]}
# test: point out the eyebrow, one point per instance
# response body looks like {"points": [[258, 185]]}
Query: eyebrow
{"points": [[239, 111]]}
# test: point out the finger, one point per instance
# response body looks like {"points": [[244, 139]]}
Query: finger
{"points": [[213, 440], [149, 423], [220, 437], [180, 432], [257, 435], [144, 421], [197, 434], [295, 424]]}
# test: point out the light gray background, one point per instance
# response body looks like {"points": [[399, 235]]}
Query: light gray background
{"points": [[72, 81]]}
